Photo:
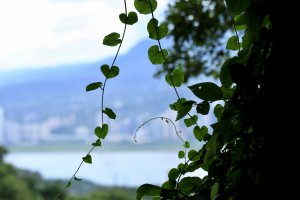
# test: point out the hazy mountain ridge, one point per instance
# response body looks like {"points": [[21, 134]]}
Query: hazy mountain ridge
{"points": [[54, 101], [67, 83]]}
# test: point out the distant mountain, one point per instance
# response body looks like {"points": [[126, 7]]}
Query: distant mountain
{"points": [[31, 89], [134, 63], [54, 98]]}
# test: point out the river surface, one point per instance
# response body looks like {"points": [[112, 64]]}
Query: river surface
{"points": [[128, 168]]}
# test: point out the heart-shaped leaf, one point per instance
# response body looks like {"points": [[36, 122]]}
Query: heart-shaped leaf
{"points": [[156, 56], [143, 6], [176, 78], [87, 159], [112, 39], [97, 143], [200, 133], [132, 18], [101, 132], [203, 108], [157, 32], [233, 43], [191, 121], [110, 72]]}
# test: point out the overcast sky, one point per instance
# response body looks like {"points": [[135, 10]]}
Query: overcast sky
{"points": [[38, 33]]}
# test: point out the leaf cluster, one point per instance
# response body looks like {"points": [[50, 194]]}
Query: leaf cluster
{"points": [[197, 29], [232, 154]]}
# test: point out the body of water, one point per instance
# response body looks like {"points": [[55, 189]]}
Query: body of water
{"points": [[108, 168]]}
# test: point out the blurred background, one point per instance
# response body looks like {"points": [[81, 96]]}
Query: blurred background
{"points": [[49, 51]]}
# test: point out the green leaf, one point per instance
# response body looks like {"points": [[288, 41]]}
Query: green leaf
{"points": [[218, 111], [176, 77], [203, 108], [98, 131], [97, 143], [181, 168], [168, 193], [254, 21], [173, 174], [240, 19], [183, 109], [154, 30], [197, 132], [214, 191], [195, 165], [104, 131], [212, 145], [170, 184], [101, 132], [110, 113], [123, 18], [190, 184], [233, 43], [112, 39], [147, 190], [237, 6], [267, 22], [77, 179], [191, 121], [207, 91], [186, 144], [200, 133], [176, 105], [246, 41], [87, 159], [69, 184], [227, 130], [132, 18], [193, 155], [223, 126], [225, 77], [143, 6], [110, 72], [181, 154], [93, 86], [156, 56], [240, 22]]}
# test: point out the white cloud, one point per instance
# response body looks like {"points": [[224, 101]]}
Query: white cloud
{"points": [[37, 33]]}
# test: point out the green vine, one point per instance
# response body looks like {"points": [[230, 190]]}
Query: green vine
{"points": [[231, 151], [233, 154], [167, 120], [112, 39]]}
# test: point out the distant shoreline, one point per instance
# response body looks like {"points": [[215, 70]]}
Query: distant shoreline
{"points": [[79, 147]]}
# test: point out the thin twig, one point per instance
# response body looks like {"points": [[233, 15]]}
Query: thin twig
{"points": [[102, 104], [167, 120]]}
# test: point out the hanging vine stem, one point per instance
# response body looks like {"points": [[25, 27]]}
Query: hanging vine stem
{"points": [[73, 176], [115, 58], [165, 60], [102, 106], [162, 118], [176, 91]]}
